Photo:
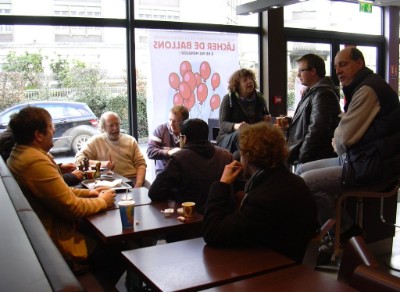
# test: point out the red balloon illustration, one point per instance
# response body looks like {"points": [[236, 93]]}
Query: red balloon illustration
{"points": [[184, 90], [215, 101], [189, 103], [178, 99], [202, 92], [190, 79], [198, 78], [185, 66], [215, 80], [174, 80], [205, 70]]}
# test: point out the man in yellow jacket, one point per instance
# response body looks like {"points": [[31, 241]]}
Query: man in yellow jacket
{"points": [[57, 205]]}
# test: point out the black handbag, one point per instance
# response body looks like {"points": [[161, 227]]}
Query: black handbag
{"points": [[362, 166]]}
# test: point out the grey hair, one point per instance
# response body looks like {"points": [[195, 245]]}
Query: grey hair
{"points": [[104, 116]]}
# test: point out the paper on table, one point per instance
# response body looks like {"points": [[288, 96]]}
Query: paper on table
{"points": [[106, 183]]}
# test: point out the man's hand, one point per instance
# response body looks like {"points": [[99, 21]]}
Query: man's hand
{"points": [[138, 185], [96, 191], [231, 172], [267, 118], [67, 167], [108, 164], [108, 196], [173, 150], [78, 174], [334, 145]]}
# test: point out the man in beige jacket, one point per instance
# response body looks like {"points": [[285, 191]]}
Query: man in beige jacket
{"points": [[115, 150]]}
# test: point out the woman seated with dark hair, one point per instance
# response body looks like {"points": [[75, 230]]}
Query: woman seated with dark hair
{"points": [[277, 210], [243, 105]]}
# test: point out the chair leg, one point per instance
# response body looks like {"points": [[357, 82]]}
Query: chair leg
{"points": [[359, 212], [382, 216], [336, 245]]}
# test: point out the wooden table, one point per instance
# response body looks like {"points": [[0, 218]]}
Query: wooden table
{"points": [[296, 278], [151, 221], [191, 265]]}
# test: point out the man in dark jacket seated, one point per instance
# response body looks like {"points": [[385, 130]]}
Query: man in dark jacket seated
{"points": [[190, 171], [277, 210]]}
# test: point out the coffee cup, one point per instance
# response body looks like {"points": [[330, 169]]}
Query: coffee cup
{"points": [[188, 209], [280, 121], [90, 174], [127, 212]]}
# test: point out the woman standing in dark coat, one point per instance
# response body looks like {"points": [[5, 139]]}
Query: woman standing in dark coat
{"points": [[277, 210]]}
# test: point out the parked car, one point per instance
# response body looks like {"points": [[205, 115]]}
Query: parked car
{"points": [[74, 122]]}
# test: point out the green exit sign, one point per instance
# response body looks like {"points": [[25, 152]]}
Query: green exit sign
{"points": [[366, 7]]}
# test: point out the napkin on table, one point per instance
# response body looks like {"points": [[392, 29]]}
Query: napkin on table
{"points": [[106, 183]]}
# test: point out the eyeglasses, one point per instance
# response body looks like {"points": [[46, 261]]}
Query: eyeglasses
{"points": [[302, 70]]}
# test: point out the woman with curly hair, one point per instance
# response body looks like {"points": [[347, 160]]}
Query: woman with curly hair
{"points": [[277, 210], [243, 105]]}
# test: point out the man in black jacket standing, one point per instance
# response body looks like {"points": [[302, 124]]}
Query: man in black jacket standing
{"points": [[317, 114]]}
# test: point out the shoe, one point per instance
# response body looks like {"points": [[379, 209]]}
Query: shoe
{"points": [[354, 230], [325, 251]]}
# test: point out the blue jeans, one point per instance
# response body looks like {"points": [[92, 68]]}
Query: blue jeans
{"points": [[324, 178]]}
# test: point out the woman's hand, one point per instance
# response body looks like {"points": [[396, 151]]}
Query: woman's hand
{"points": [[231, 172], [239, 125]]}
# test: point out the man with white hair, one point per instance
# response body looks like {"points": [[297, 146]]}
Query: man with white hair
{"points": [[115, 150]]}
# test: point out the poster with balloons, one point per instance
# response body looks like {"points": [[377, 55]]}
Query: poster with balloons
{"points": [[190, 69]]}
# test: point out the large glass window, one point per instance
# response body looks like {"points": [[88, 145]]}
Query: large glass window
{"points": [[37, 65], [333, 16], [326, 15], [295, 50], [205, 11], [370, 56], [84, 56], [189, 68], [68, 8]]}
